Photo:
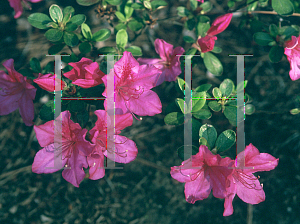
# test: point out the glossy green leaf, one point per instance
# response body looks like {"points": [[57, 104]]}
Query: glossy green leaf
{"points": [[208, 132], [215, 106], [85, 47], [213, 64], [226, 87], [231, 113], [134, 25], [206, 7], [204, 87], [56, 13], [202, 28], [86, 31], [189, 39], [182, 11], [180, 104], [47, 111], [295, 111], [122, 38], [54, 35], [158, 4], [276, 54], [225, 140], [283, 7], [190, 24], [273, 30], [135, 50], [35, 65], [181, 83], [239, 87], [68, 12], [70, 39], [249, 109], [289, 32], [56, 49], [78, 19], [202, 114], [71, 27], [147, 4], [120, 16], [262, 38], [174, 118], [114, 2], [217, 50], [198, 101], [107, 50], [217, 93], [203, 141], [87, 2], [39, 20], [101, 35], [128, 10], [137, 6]]}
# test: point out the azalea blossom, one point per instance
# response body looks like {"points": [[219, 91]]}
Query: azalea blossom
{"points": [[85, 73], [292, 51], [243, 182], [200, 1], [47, 82], [17, 6], [132, 84], [70, 153], [207, 43], [169, 63], [16, 92], [125, 149], [203, 172]]}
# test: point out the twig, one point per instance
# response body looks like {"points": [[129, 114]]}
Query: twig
{"points": [[271, 13], [250, 214]]}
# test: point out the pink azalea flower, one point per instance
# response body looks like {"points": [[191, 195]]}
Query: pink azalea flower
{"points": [[292, 51], [200, 1], [16, 92], [125, 149], [132, 87], [207, 43], [47, 82], [169, 63], [73, 149], [17, 6], [243, 182], [203, 172], [85, 73]]}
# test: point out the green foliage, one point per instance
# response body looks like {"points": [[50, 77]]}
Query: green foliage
{"points": [[262, 38], [283, 7], [225, 140], [174, 118], [87, 2], [35, 65], [208, 132], [47, 111], [276, 54], [213, 64], [121, 39]]}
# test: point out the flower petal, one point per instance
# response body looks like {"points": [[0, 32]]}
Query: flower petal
{"points": [[26, 108], [17, 6], [219, 24], [96, 167]]}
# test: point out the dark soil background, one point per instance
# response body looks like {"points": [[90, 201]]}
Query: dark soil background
{"points": [[144, 192]]}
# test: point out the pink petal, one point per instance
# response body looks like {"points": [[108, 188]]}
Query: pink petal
{"points": [[6, 81], [262, 162], [123, 121], [44, 161], [163, 48], [85, 83], [34, 1], [151, 61], [26, 109], [17, 6], [147, 104], [228, 208], [9, 103], [126, 66], [207, 43], [83, 145], [47, 82], [96, 167], [219, 24], [146, 77], [198, 189], [74, 172], [290, 44], [125, 150], [45, 133], [15, 76]]}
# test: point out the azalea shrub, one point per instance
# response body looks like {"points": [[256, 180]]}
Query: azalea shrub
{"points": [[85, 147]]}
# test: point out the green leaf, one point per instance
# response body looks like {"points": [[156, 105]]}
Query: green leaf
{"points": [[225, 140], [230, 4], [202, 28], [215, 106], [295, 111], [194, 4], [121, 38], [226, 87], [134, 25], [190, 24], [206, 7], [204, 87], [249, 109], [213, 64], [47, 111], [128, 10], [273, 30], [35, 65], [85, 47], [189, 39], [114, 2], [107, 50], [208, 132], [180, 104], [276, 54], [283, 7], [217, 93], [137, 6], [39, 20], [120, 16], [239, 87], [70, 39], [86, 31], [202, 114], [68, 12], [83, 118], [262, 38], [251, 7], [101, 35], [217, 50], [71, 27], [195, 129], [181, 83], [230, 113], [158, 4], [78, 19], [135, 50], [180, 151], [27, 72], [197, 104], [147, 4], [87, 2], [56, 49], [182, 11], [76, 106], [54, 35], [174, 118], [191, 52], [289, 32], [203, 141], [56, 13]]}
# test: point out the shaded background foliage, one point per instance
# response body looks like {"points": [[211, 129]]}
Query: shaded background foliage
{"points": [[143, 191]]}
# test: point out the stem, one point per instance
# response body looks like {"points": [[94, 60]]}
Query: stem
{"points": [[271, 13], [71, 49]]}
